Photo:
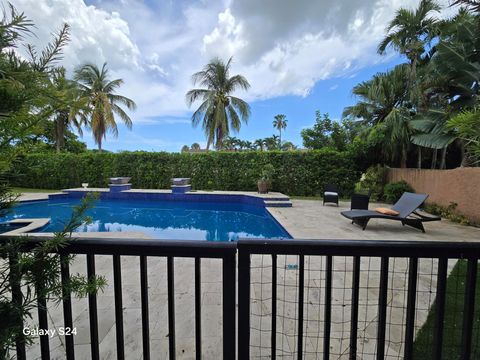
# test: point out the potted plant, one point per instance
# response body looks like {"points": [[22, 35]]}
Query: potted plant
{"points": [[265, 180]]}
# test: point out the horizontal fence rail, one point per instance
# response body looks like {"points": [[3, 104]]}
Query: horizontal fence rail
{"points": [[297, 299]]}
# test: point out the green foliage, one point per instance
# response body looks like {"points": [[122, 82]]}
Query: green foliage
{"points": [[328, 133], [267, 172], [393, 191], [448, 212], [372, 181], [296, 172], [467, 127], [219, 111], [37, 270]]}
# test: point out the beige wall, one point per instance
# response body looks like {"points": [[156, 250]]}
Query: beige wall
{"points": [[461, 185]]}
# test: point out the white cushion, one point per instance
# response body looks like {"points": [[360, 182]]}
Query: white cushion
{"points": [[330, 193]]}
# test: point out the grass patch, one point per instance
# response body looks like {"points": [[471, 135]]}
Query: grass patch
{"points": [[29, 190], [453, 321]]}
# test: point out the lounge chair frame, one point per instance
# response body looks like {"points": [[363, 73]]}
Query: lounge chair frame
{"points": [[410, 217]]}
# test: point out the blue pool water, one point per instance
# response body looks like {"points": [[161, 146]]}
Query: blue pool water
{"points": [[216, 221]]}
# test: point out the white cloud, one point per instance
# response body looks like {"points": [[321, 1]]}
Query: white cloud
{"points": [[282, 47]]}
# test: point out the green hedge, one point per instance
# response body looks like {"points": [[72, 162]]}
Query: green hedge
{"points": [[296, 172]]}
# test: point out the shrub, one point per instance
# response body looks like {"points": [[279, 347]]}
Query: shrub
{"points": [[373, 181], [448, 212], [394, 191], [300, 173]]}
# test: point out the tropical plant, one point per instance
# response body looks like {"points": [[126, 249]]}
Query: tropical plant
{"points": [[195, 147], [259, 144], [219, 111], [466, 126], [185, 149], [280, 123], [100, 102], [383, 104], [64, 103], [410, 31]]}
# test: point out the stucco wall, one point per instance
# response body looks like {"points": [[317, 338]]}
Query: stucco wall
{"points": [[461, 185]]}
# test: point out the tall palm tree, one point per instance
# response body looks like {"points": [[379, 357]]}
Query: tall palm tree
{"points": [[280, 123], [410, 31], [219, 111], [102, 102], [65, 106]]}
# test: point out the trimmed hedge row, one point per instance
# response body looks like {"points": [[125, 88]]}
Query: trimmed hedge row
{"points": [[298, 173]]}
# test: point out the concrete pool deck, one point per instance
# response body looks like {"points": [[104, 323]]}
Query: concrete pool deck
{"points": [[307, 219]]}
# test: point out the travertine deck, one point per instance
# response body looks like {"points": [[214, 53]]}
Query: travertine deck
{"points": [[306, 219]]}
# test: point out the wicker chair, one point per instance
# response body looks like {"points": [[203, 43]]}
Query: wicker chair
{"points": [[360, 201], [330, 194]]}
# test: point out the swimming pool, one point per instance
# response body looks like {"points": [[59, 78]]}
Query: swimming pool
{"points": [[161, 219]]}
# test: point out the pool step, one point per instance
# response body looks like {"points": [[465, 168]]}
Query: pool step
{"points": [[276, 203]]}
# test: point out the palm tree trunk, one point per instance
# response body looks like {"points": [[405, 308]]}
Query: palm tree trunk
{"points": [[59, 134], [434, 159], [403, 160], [463, 157], [419, 159], [444, 158], [280, 139]]}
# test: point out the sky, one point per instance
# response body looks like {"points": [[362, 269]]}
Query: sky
{"points": [[299, 56]]}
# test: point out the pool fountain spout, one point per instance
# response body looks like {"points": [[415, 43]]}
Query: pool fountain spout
{"points": [[118, 184], [181, 185]]}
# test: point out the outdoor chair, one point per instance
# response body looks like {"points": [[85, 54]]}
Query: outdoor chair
{"points": [[330, 194], [360, 201], [406, 208]]}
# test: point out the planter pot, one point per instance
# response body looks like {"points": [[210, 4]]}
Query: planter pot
{"points": [[263, 186]]}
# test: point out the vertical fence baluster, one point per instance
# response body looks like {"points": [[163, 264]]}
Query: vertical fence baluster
{"points": [[67, 307], [274, 308], [145, 314], [354, 313], [92, 306], [198, 308], [328, 308], [243, 305], [440, 308], [42, 316], [411, 299], [171, 308], [228, 301], [117, 287], [301, 283], [469, 309], [382, 308], [15, 278]]}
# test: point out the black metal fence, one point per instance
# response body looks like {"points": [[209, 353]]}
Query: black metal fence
{"points": [[334, 299], [300, 299]]}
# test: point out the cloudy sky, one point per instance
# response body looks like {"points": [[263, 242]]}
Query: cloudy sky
{"points": [[299, 56]]}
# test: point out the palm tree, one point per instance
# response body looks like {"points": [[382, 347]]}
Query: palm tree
{"points": [[102, 103], [259, 144], [280, 123], [410, 31], [383, 104], [195, 147], [219, 111], [65, 105], [185, 149]]}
